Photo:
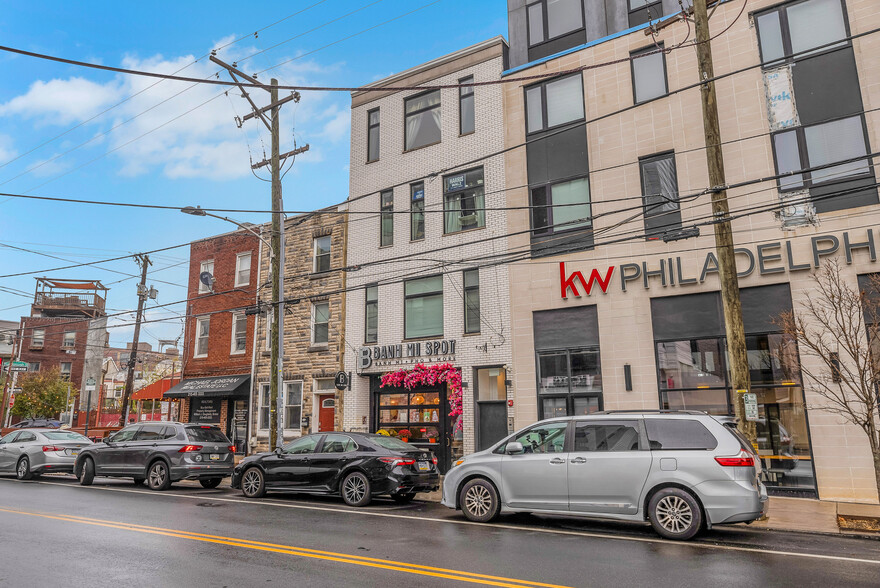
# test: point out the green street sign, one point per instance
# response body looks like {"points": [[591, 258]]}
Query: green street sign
{"points": [[19, 366]]}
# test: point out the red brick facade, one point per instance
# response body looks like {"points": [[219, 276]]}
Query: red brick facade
{"points": [[51, 354]]}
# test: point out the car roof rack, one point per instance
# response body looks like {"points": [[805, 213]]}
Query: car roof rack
{"points": [[652, 411]]}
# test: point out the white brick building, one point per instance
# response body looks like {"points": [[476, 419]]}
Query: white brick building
{"points": [[413, 151]]}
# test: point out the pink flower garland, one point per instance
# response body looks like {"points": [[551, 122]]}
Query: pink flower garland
{"points": [[422, 375]]}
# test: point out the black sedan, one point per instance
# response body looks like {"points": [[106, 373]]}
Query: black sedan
{"points": [[356, 466]]}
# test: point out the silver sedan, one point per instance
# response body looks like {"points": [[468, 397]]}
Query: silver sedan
{"points": [[31, 452]]}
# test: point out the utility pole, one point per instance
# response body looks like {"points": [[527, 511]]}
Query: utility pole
{"points": [[736, 338], [277, 159], [143, 294]]}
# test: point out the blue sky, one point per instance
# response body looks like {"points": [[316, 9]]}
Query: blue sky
{"points": [[151, 149]]}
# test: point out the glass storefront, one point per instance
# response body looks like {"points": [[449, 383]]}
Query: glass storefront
{"points": [[569, 382]]}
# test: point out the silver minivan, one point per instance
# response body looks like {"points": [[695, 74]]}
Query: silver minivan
{"points": [[681, 470]]}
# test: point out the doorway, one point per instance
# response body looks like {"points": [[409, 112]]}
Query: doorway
{"points": [[326, 412], [490, 414]]}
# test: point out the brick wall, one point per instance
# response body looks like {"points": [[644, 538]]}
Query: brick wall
{"points": [[52, 353]]}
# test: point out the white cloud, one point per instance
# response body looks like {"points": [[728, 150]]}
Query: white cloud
{"points": [[337, 127], [7, 152], [63, 101]]}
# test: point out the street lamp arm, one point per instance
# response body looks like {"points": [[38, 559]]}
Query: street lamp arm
{"points": [[198, 211]]}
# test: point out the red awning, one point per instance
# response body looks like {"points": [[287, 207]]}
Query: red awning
{"points": [[75, 285], [155, 390]]}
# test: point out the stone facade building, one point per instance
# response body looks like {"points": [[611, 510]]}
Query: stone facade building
{"points": [[425, 219]]}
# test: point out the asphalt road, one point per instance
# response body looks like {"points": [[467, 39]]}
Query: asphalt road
{"points": [[116, 534]]}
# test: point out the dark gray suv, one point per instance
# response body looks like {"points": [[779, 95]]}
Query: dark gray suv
{"points": [[159, 454]]}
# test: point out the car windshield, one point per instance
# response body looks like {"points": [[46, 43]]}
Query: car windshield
{"points": [[64, 436], [393, 444], [206, 434]]}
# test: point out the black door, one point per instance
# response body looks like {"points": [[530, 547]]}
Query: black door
{"points": [[325, 465], [490, 395], [290, 468]]}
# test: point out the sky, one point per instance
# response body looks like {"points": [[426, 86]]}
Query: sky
{"points": [[74, 132]]}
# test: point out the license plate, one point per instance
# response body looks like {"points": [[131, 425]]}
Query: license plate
{"points": [[74, 452], [215, 456], [424, 466]]}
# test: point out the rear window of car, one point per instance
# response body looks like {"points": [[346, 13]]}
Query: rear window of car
{"points": [[679, 434], [64, 436], [393, 443], [206, 434], [743, 441]]}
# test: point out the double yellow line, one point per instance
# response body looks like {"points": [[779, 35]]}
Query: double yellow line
{"points": [[409, 568]]}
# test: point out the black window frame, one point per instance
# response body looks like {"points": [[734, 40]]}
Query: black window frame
{"points": [[634, 19], [377, 128], [368, 303], [406, 116], [407, 297], [465, 92], [417, 213], [386, 213], [546, 24], [466, 192], [656, 233], [632, 71], [550, 227], [544, 115], [787, 57], [568, 396], [469, 308]]}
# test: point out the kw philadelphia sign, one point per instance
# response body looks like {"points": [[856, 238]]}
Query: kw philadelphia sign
{"points": [[768, 258], [405, 353]]}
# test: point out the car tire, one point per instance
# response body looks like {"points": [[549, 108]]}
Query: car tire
{"points": [[210, 483], [23, 469], [479, 501], [253, 483], [355, 489], [87, 475], [158, 476], [139, 481], [403, 498], [675, 514]]}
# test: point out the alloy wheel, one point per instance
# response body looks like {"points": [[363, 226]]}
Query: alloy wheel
{"points": [[157, 475], [674, 514], [477, 500], [250, 484], [22, 469], [355, 488]]}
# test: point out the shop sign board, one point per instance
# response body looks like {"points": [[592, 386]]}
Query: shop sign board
{"points": [[205, 410], [402, 354], [341, 380], [775, 257]]}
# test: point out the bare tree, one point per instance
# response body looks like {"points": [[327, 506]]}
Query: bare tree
{"points": [[837, 329]]}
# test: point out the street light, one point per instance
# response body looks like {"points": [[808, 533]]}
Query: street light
{"points": [[276, 434]]}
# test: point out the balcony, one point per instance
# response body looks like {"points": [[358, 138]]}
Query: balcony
{"points": [[69, 297]]}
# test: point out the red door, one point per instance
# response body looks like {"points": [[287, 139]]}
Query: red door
{"points": [[326, 412]]}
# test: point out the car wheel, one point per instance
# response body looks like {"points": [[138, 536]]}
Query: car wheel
{"points": [[675, 514], [355, 489], [253, 483], [87, 476], [23, 469], [479, 501], [158, 478], [210, 482], [139, 481], [403, 498]]}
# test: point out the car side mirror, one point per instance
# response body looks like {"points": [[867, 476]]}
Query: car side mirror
{"points": [[513, 447], [278, 450]]}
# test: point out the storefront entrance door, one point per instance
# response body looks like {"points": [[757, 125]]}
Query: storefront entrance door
{"points": [[326, 412], [491, 406]]}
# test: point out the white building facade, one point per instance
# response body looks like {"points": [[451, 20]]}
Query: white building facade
{"points": [[426, 220]]}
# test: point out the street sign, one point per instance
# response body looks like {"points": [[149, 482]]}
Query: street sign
{"points": [[90, 385], [19, 366], [341, 381], [751, 403]]}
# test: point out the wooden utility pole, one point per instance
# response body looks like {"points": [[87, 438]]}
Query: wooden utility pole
{"points": [[736, 338], [143, 294], [277, 159]]}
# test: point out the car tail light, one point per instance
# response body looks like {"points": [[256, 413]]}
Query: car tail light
{"points": [[188, 448], [742, 460], [396, 461], [434, 460], [52, 448]]}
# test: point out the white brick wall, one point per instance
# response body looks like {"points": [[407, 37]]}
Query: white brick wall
{"points": [[395, 166]]}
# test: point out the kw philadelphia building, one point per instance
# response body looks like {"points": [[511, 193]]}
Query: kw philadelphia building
{"points": [[609, 314]]}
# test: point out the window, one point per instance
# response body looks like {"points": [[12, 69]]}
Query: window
{"points": [[386, 220], [321, 247], [205, 434], [291, 399], [320, 322], [648, 74], [239, 332], [417, 415], [561, 207], [606, 436], [466, 106], [69, 339], [423, 308], [242, 269], [422, 120], [38, 338], [643, 11], [202, 328], [553, 103], [206, 266], [150, 433], [65, 370], [417, 211], [556, 17], [798, 27], [304, 445], [371, 313], [471, 280], [338, 444], [569, 382], [464, 202], [549, 438], [126, 434], [372, 135], [491, 384], [660, 195], [34, 366], [679, 434]]}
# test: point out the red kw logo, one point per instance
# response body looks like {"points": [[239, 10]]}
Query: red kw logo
{"points": [[595, 277]]}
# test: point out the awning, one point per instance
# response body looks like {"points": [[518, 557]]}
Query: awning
{"points": [[71, 285], [155, 390], [225, 386]]}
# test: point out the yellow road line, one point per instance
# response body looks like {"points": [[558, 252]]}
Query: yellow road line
{"points": [[445, 573]]}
